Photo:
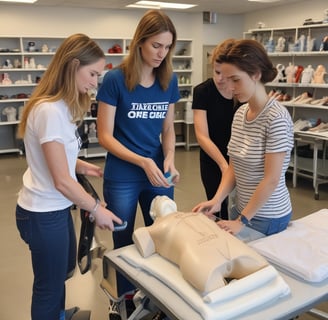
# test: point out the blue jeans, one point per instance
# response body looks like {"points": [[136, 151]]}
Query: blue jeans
{"points": [[52, 242], [122, 198], [260, 227]]}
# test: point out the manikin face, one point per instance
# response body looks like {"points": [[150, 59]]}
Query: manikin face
{"points": [[239, 82], [162, 206], [155, 49], [87, 76]]}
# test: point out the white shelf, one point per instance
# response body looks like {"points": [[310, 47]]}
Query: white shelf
{"points": [[298, 85], [310, 26], [8, 123], [16, 48], [182, 71], [182, 57], [180, 144], [20, 69], [305, 106], [40, 53], [298, 54], [94, 152], [13, 150], [9, 53], [115, 55], [20, 85], [311, 168], [9, 101]]}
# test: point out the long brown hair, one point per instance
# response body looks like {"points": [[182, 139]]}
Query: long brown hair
{"points": [[152, 23], [59, 80]]}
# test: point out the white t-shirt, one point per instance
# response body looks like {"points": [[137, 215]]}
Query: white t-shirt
{"points": [[50, 121]]}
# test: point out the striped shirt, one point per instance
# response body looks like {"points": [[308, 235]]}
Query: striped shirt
{"points": [[271, 131]]}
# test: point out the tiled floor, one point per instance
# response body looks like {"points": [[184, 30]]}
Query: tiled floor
{"points": [[84, 290]]}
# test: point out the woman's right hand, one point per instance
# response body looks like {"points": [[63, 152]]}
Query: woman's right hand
{"points": [[154, 174], [105, 218], [208, 207]]}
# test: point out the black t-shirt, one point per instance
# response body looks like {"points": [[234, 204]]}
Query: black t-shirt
{"points": [[219, 111]]}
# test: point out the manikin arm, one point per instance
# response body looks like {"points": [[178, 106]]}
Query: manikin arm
{"points": [[144, 242]]}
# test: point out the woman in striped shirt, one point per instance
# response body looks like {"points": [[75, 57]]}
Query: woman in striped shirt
{"points": [[259, 148]]}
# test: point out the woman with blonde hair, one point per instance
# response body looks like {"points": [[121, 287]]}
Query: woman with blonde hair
{"points": [[49, 128]]}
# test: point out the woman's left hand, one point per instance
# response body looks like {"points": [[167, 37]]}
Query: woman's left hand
{"points": [[175, 176], [231, 226], [170, 168]]}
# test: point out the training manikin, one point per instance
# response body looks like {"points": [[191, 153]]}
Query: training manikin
{"points": [[205, 254]]}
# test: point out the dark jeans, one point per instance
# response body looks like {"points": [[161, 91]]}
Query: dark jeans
{"points": [[122, 199], [52, 242]]}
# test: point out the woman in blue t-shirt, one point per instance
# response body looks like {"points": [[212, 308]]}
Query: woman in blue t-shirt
{"points": [[136, 125]]}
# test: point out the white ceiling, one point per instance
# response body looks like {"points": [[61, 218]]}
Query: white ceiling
{"points": [[218, 6]]}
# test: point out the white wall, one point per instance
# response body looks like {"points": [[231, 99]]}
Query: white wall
{"points": [[23, 20]]}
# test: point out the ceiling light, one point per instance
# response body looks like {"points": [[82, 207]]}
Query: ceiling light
{"points": [[21, 1], [264, 1], [160, 5]]}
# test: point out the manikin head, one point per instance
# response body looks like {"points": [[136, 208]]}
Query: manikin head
{"points": [[162, 206]]}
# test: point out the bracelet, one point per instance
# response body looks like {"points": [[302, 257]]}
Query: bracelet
{"points": [[93, 211]]}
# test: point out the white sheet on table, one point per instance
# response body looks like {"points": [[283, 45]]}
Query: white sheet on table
{"points": [[301, 249], [240, 301]]}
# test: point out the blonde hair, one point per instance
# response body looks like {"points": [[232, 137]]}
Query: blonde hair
{"points": [[152, 23], [59, 80]]}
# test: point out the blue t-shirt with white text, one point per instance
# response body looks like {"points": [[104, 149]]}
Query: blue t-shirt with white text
{"points": [[138, 121]]}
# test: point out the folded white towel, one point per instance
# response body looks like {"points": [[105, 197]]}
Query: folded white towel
{"points": [[301, 248], [242, 286]]}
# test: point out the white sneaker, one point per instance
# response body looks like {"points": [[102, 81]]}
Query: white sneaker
{"points": [[299, 125]]}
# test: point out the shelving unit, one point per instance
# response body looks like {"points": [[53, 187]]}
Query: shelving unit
{"points": [[24, 65], [303, 47], [93, 149], [182, 64]]}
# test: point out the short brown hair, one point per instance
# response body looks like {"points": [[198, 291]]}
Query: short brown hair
{"points": [[221, 48], [250, 57]]}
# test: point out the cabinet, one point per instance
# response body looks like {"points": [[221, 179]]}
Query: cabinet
{"points": [[301, 47], [24, 59]]}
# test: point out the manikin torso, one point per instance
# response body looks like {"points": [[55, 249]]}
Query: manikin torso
{"points": [[205, 254]]}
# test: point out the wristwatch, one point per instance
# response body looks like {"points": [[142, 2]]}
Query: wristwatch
{"points": [[243, 220]]}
